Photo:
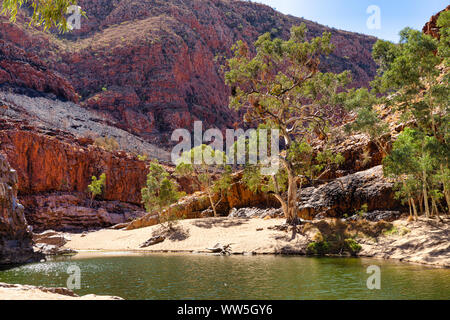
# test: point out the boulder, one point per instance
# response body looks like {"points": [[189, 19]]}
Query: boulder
{"points": [[348, 194], [377, 215], [255, 213]]}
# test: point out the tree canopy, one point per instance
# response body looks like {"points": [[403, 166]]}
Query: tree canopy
{"points": [[280, 87], [47, 14]]}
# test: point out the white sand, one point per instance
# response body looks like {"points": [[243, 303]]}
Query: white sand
{"points": [[195, 236], [424, 243], [26, 292]]}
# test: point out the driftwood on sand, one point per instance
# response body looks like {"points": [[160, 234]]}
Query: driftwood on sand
{"points": [[219, 248], [152, 241]]}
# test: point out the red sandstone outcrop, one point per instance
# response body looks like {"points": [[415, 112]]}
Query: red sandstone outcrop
{"points": [[25, 70], [54, 170], [154, 65], [431, 27], [73, 212], [344, 195], [15, 235], [52, 162]]}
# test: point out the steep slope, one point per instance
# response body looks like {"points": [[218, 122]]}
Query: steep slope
{"points": [[153, 65], [16, 244]]}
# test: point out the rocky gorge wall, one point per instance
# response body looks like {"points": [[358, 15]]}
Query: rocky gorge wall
{"points": [[154, 65], [16, 244], [54, 170]]}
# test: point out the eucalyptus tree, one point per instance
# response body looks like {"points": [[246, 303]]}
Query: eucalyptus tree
{"points": [[281, 87], [160, 192], [48, 13], [413, 79], [207, 168]]}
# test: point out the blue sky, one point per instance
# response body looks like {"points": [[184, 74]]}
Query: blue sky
{"points": [[352, 15]]}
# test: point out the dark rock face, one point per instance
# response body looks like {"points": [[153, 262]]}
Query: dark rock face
{"points": [[16, 245], [377, 215], [348, 194], [255, 213], [151, 65]]}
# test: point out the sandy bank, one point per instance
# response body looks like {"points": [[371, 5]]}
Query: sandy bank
{"points": [[26, 292], [194, 235], [424, 242]]}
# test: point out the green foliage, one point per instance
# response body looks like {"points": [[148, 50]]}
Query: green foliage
{"points": [[160, 190], [107, 143], [318, 248], [414, 84], [416, 166], [48, 14], [203, 164], [282, 88], [96, 186], [396, 231], [143, 157]]}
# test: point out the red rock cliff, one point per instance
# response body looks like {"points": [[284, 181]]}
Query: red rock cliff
{"points": [[50, 162], [15, 235], [431, 27], [154, 65]]}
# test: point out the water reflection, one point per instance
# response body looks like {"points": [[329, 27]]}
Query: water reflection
{"points": [[236, 277]]}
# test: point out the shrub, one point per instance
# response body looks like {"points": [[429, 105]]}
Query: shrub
{"points": [[318, 248], [143, 157], [363, 210], [159, 193], [353, 246], [96, 186], [107, 143]]}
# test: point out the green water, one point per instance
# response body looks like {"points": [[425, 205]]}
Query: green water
{"points": [[236, 277]]}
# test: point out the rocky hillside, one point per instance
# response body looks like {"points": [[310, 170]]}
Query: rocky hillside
{"points": [[153, 65]]}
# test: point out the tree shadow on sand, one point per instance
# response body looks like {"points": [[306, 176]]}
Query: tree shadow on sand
{"points": [[220, 222], [176, 233]]}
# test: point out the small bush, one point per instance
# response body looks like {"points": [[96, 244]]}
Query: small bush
{"points": [[353, 246], [318, 248], [363, 210], [392, 231], [96, 186], [142, 157], [169, 220]]}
